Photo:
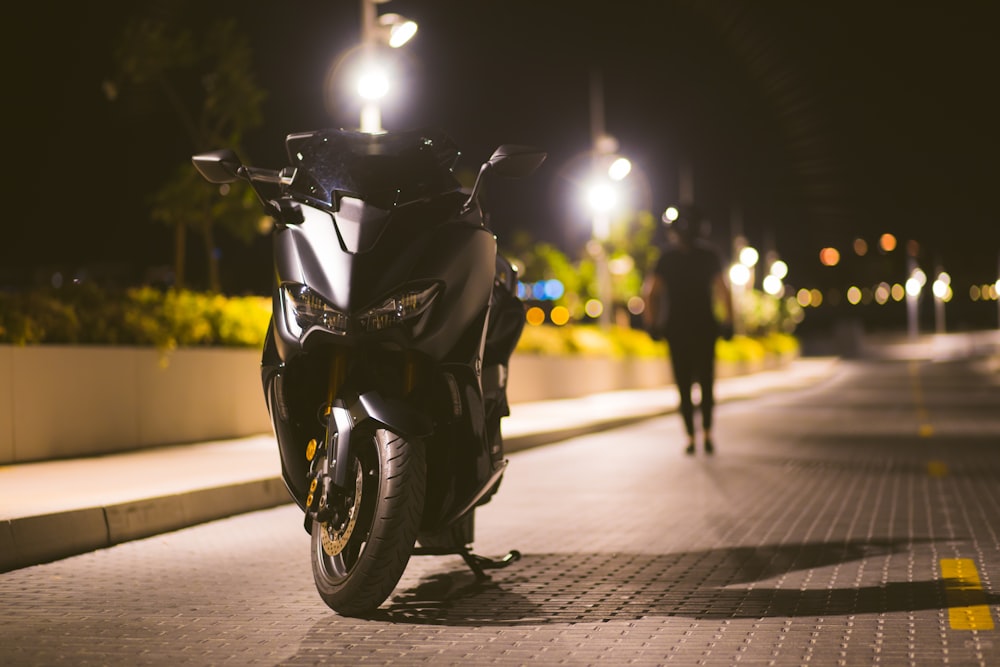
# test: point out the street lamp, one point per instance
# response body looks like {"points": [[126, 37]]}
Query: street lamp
{"points": [[602, 196], [741, 276], [391, 30], [914, 285], [941, 289]]}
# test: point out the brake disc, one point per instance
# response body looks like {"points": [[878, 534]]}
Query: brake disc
{"points": [[336, 538]]}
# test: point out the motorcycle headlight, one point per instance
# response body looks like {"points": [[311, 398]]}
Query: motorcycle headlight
{"points": [[403, 307], [307, 310]]}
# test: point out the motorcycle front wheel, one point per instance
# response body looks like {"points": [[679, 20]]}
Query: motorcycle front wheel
{"points": [[358, 561]]}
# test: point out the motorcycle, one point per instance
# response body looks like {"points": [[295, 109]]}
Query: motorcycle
{"points": [[384, 367]]}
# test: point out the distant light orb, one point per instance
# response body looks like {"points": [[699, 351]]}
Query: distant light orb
{"points": [[913, 287], [401, 33], [941, 289], [535, 316], [553, 289], [636, 305], [593, 308], [373, 84], [860, 247], [779, 269], [773, 285], [559, 315], [829, 256], [882, 293], [602, 197], [619, 169], [749, 256], [671, 214], [620, 266], [854, 295], [887, 242], [739, 274]]}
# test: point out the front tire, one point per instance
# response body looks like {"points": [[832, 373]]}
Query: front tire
{"points": [[357, 563]]}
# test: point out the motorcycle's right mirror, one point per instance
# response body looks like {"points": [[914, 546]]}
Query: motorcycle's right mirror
{"points": [[510, 161], [513, 161]]}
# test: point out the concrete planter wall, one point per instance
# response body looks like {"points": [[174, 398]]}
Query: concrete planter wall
{"points": [[61, 402], [68, 401]]}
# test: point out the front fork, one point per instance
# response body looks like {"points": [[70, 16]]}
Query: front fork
{"points": [[331, 482]]}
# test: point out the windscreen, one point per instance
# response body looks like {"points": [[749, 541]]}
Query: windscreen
{"points": [[384, 169]]}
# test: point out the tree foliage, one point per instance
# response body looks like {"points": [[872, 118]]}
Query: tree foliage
{"points": [[207, 81]]}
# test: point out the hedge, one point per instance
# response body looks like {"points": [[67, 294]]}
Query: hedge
{"points": [[83, 314]]}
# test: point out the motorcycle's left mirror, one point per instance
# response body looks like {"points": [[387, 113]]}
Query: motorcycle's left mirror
{"points": [[222, 166]]}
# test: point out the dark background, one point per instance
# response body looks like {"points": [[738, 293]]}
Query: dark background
{"points": [[803, 124]]}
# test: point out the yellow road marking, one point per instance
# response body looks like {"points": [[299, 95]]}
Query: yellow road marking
{"points": [[967, 608], [937, 468], [924, 430]]}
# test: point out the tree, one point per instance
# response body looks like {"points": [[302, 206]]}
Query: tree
{"points": [[209, 87]]}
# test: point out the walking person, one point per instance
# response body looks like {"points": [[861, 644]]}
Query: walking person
{"points": [[683, 295]]}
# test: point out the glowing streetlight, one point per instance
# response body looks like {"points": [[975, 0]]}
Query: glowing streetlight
{"points": [[602, 197], [914, 285], [389, 29], [749, 256], [739, 275], [941, 289], [779, 269], [619, 169]]}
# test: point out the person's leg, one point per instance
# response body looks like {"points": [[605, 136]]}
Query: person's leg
{"points": [[681, 362], [706, 381]]}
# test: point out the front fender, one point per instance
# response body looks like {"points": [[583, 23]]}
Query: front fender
{"points": [[365, 413], [393, 414]]}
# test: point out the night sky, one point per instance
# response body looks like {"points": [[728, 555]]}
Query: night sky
{"points": [[802, 124]]}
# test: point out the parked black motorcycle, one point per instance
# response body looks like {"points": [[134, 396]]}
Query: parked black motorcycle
{"points": [[385, 363]]}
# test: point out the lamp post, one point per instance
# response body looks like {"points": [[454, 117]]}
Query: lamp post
{"points": [[942, 294], [391, 30], [741, 276], [914, 285]]}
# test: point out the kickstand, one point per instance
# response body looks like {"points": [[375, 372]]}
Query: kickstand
{"points": [[479, 563]]}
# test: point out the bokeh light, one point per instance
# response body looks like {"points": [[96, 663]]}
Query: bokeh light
{"points": [[773, 285], [559, 315], [535, 316], [739, 274], [882, 293], [887, 242], [593, 308], [749, 256], [619, 169], [854, 295], [829, 256]]}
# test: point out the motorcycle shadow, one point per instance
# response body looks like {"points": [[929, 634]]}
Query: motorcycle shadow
{"points": [[732, 583]]}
